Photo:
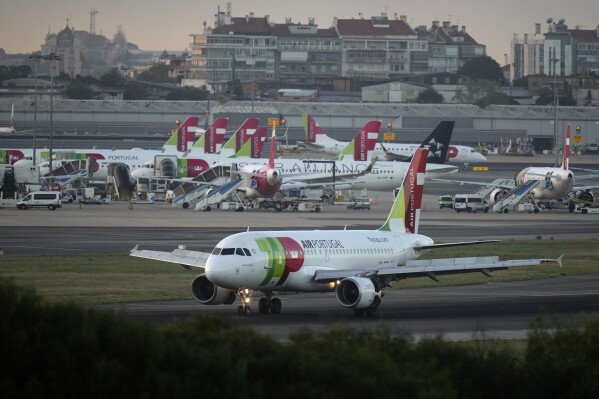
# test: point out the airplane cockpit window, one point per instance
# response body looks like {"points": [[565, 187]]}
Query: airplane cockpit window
{"points": [[239, 251], [228, 251], [216, 251], [247, 252]]}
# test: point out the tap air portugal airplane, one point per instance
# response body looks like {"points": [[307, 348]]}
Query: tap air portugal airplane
{"points": [[100, 160], [356, 264], [554, 182], [318, 140], [343, 174]]}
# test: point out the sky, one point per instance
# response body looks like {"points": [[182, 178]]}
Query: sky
{"points": [[160, 24]]}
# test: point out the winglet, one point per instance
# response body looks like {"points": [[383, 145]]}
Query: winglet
{"points": [[558, 260], [134, 248]]}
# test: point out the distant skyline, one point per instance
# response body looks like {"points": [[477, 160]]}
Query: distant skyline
{"points": [[159, 25]]}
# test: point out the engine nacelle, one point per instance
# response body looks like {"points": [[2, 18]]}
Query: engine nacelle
{"points": [[497, 194], [357, 292], [273, 177], [207, 293]]}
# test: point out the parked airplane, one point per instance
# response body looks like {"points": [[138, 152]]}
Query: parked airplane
{"points": [[318, 140], [554, 182], [356, 264], [11, 127]]}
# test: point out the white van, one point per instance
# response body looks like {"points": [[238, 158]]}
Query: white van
{"points": [[46, 199], [470, 203]]}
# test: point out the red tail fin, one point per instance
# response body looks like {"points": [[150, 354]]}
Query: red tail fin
{"points": [[215, 135], [312, 129], [245, 131], [187, 132], [273, 148], [258, 142], [566, 161], [365, 140]]}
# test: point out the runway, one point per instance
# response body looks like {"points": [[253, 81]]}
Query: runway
{"points": [[493, 310], [502, 310]]}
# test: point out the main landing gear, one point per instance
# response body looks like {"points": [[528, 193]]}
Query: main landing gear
{"points": [[265, 304], [269, 303]]}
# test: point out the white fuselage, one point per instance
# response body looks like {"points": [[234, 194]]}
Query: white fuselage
{"points": [[288, 260], [555, 183], [456, 154], [384, 175]]}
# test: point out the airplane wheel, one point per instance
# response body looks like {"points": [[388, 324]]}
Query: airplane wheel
{"points": [[240, 310], [275, 306], [263, 305], [247, 311]]}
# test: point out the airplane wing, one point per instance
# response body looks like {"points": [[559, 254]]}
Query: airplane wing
{"points": [[310, 146], [434, 267], [184, 257], [476, 183], [391, 156]]}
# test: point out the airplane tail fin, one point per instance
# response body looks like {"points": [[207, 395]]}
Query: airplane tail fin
{"points": [[238, 139], [12, 115], [405, 212], [566, 161], [273, 148], [438, 142], [212, 140], [312, 129], [252, 148], [362, 146], [185, 133]]}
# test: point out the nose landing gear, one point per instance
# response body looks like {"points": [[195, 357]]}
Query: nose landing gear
{"points": [[244, 309]]}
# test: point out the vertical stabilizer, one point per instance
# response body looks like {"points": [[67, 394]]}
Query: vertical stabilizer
{"points": [[312, 129], [273, 148], [212, 140], [185, 134], [405, 213], [438, 141], [361, 147], [252, 148], [566, 161], [238, 139], [12, 115]]}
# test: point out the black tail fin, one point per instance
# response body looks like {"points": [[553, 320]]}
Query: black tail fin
{"points": [[438, 142]]}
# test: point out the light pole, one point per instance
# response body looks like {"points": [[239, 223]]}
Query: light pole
{"points": [[51, 57], [253, 54], [36, 57], [555, 103]]}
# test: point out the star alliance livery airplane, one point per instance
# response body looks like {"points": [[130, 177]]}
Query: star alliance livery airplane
{"points": [[356, 264]]}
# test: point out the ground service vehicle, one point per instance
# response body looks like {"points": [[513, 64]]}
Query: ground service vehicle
{"points": [[470, 203], [38, 199], [446, 201]]}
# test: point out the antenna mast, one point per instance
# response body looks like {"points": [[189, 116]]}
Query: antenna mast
{"points": [[92, 21]]}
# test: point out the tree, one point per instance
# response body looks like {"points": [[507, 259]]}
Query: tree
{"points": [[429, 96], [134, 91], [14, 72], [482, 92], [77, 90], [483, 67], [157, 74], [237, 89], [546, 98], [112, 79]]}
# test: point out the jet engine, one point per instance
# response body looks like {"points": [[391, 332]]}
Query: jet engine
{"points": [[358, 292], [205, 292], [273, 177], [497, 194]]}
